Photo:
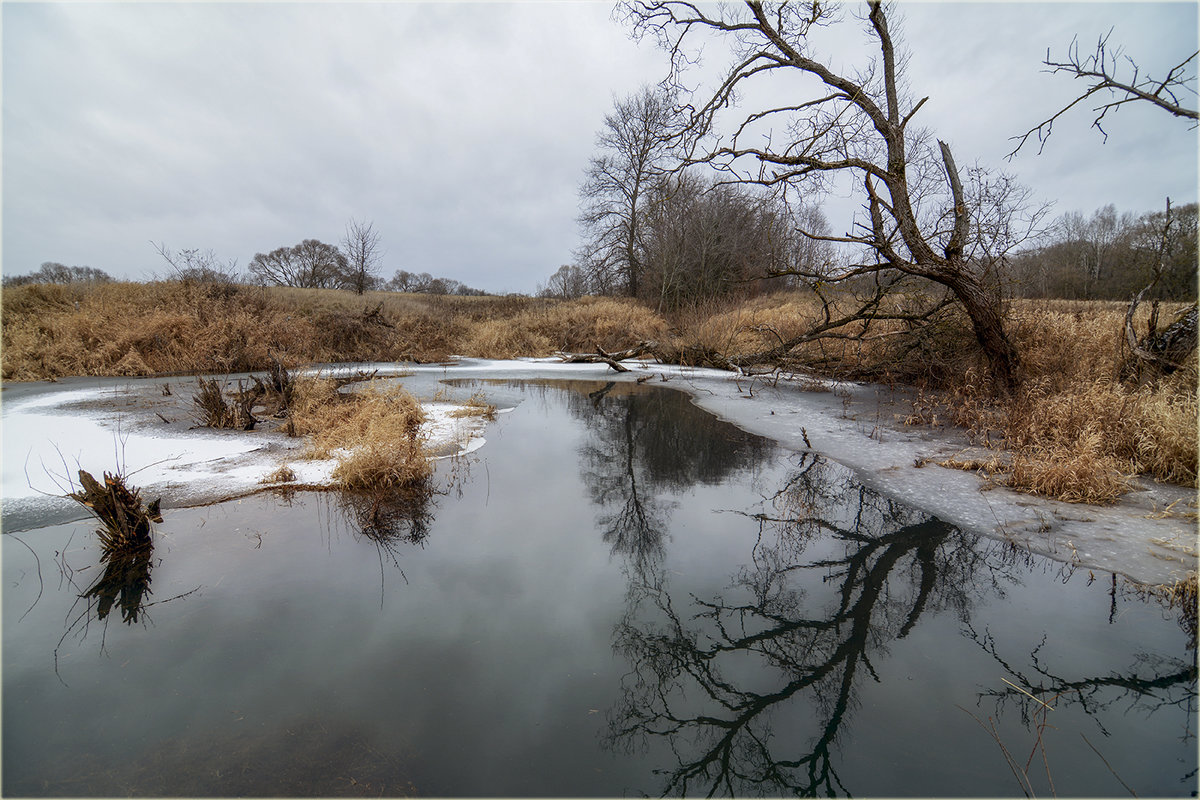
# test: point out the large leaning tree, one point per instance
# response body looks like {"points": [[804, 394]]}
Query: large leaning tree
{"points": [[836, 124]]}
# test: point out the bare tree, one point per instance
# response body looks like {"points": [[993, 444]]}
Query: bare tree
{"points": [[634, 145], [1102, 71], [199, 266], [855, 125], [54, 272], [568, 282], [312, 264], [362, 251], [706, 240]]}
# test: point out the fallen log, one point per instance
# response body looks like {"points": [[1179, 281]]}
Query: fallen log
{"points": [[1158, 352], [607, 359], [602, 357]]}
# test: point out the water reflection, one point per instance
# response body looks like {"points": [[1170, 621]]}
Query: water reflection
{"points": [[389, 518], [642, 444], [710, 674], [1150, 683], [124, 583]]}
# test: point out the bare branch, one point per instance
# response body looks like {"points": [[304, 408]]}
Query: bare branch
{"points": [[1101, 70]]}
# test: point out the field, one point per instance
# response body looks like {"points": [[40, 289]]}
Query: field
{"points": [[1073, 431]]}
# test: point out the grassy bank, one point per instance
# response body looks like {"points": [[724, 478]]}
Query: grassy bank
{"points": [[1074, 431]]}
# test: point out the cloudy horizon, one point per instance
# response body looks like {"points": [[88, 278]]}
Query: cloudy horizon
{"points": [[462, 131]]}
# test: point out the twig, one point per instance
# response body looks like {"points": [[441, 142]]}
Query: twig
{"points": [[1110, 769]]}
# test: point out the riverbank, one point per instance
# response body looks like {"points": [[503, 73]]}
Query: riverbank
{"points": [[1073, 431], [1148, 536]]}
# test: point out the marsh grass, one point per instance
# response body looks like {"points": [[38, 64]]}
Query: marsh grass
{"points": [[1074, 430], [475, 406], [374, 434], [1076, 433], [214, 411], [284, 474]]}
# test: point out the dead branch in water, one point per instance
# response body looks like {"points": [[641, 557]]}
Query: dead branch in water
{"points": [[126, 519]]}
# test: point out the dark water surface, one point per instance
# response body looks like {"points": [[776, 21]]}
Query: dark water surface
{"points": [[618, 594]]}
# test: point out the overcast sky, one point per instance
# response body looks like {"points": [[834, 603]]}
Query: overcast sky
{"points": [[462, 131]]}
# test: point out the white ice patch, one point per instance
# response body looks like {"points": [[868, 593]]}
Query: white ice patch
{"points": [[43, 453]]}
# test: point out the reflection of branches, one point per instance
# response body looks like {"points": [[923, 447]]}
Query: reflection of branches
{"points": [[389, 519], [643, 442], [697, 679], [124, 583], [634, 521], [1152, 682]]}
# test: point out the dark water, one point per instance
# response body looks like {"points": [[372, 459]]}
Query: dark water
{"points": [[618, 594]]}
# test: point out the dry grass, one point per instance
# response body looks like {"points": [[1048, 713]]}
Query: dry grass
{"points": [[582, 325], [283, 474], [475, 406], [374, 434], [1074, 430], [1077, 433]]}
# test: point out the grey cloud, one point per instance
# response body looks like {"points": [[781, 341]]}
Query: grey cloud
{"points": [[461, 130]]}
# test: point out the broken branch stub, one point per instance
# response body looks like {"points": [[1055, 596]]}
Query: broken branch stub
{"points": [[126, 518]]}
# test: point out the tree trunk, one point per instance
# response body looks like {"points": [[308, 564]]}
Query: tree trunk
{"points": [[987, 321], [1158, 353]]}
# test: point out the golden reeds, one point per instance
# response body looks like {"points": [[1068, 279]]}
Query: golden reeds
{"points": [[374, 434], [1074, 430]]}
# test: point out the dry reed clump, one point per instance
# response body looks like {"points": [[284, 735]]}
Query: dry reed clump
{"points": [[1075, 431], [591, 322], [284, 474], [374, 434], [1079, 473], [213, 411], [544, 327], [503, 339], [738, 328], [475, 406]]}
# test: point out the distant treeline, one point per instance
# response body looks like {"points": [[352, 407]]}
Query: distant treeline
{"points": [[53, 272], [1111, 256], [195, 266], [705, 242]]}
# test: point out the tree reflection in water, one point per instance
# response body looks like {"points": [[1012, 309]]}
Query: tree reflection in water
{"points": [[837, 574], [643, 443], [390, 519]]}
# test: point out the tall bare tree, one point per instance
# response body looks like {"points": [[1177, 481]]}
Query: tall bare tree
{"points": [[1116, 79], [361, 248], [841, 123], [634, 147]]}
